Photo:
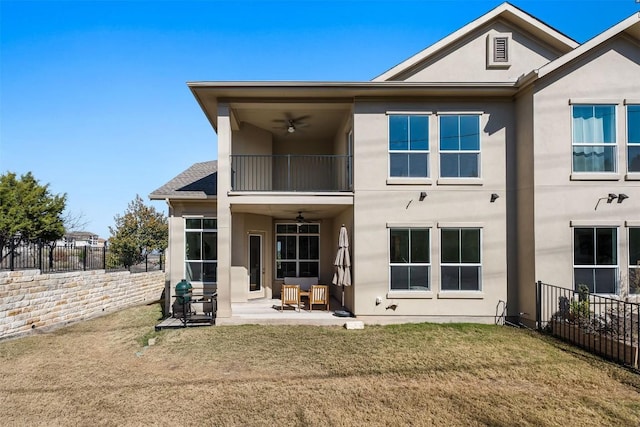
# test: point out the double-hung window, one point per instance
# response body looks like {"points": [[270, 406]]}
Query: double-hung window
{"points": [[594, 138], [297, 250], [633, 137], [201, 250], [595, 259], [460, 259], [460, 146], [634, 260], [409, 146], [409, 260]]}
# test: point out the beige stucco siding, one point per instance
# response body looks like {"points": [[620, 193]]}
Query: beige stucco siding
{"points": [[521, 289], [379, 205], [224, 213], [466, 60], [609, 75]]}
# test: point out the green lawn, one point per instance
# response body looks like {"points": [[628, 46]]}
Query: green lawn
{"points": [[100, 372]]}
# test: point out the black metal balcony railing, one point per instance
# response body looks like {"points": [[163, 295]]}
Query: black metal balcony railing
{"points": [[291, 172]]}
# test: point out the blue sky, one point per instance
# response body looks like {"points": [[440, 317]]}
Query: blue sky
{"points": [[93, 95]]}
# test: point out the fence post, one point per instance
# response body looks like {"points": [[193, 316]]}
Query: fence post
{"points": [[84, 258], [161, 258], [104, 256], [146, 262], [539, 305], [40, 256]]}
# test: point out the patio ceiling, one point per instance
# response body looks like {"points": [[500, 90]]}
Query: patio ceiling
{"points": [[318, 121], [290, 211]]}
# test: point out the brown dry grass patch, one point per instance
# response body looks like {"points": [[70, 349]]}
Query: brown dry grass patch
{"points": [[100, 373]]}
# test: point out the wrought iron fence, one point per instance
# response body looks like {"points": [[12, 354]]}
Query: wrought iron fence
{"points": [[608, 327], [50, 258], [289, 172]]}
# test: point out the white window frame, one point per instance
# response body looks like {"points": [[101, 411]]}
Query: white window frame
{"points": [[410, 263], [409, 151], [478, 152], [461, 264], [200, 230], [635, 290], [605, 145], [297, 260], [594, 267], [630, 143]]}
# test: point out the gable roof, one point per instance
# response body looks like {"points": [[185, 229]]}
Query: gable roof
{"points": [[631, 26], [505, 11], [200, 181]]}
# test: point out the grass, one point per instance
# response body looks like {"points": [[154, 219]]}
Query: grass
{"points": [[100, 372]]}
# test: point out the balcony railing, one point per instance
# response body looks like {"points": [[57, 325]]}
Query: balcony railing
{"points": [[291, 172]]}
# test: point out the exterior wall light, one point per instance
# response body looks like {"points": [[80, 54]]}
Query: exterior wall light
{"points": [[494, 197], [611, 197], [621, 197], [423, 194]]}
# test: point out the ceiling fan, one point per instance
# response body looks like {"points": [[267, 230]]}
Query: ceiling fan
{"points": [[300, 219], [291, 124]]}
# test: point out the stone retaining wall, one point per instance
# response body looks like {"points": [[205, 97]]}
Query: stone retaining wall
{"points": [[31, 300]]}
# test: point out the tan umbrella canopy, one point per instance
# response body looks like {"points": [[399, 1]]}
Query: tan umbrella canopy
{"points": [[342, 263]]}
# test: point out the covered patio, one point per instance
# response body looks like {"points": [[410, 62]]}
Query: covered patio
{"points": [[266, 311]]}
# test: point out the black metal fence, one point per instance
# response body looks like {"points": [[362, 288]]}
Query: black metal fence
{"points": [[608, 327], [50, 258]]}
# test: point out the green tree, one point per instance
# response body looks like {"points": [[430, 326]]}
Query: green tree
{"points": [[28, 210], [140, 231]]}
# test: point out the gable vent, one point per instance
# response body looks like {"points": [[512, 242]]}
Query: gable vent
{"points": [[499, 50]]}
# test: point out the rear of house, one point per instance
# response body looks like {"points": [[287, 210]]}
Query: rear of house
{"points": [[446, 170]]}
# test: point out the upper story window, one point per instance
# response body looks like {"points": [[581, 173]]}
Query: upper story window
{"points": [[409, 261], [409, 146], [460, 146], [633, 137], [595, 258], [201, 250], [594, 138]]}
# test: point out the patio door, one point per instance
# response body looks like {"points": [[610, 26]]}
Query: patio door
{"points": [[256, 266]]}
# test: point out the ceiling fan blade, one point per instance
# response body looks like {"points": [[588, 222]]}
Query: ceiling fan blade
{"points": [[301, 118]]}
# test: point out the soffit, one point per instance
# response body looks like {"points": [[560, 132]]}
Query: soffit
{"points": [[317, 120], [329, 95]]}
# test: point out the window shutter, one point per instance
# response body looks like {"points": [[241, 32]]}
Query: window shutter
{"points": [[500, 49]]}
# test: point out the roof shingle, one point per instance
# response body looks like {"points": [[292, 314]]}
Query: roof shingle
{"points": [[200, 181]]}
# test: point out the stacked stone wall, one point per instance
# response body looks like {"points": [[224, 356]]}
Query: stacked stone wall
{"points": [[30, 300]]}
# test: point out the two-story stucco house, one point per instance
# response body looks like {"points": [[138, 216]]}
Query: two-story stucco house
{"points": [[463, 175]]}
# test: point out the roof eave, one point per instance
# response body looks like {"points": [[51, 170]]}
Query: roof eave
{"points": [[177, 198], [591, 44]]}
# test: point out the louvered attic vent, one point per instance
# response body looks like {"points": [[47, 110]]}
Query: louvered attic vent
{"points": [[498, 50]]}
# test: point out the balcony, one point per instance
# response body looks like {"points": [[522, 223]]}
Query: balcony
{"points": [[291, 173]]}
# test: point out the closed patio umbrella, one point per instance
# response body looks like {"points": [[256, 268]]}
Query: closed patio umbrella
{"points": [[342, 263]]}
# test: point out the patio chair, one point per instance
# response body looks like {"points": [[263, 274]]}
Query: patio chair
{"points": [[319, 294], [290, 294]]}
